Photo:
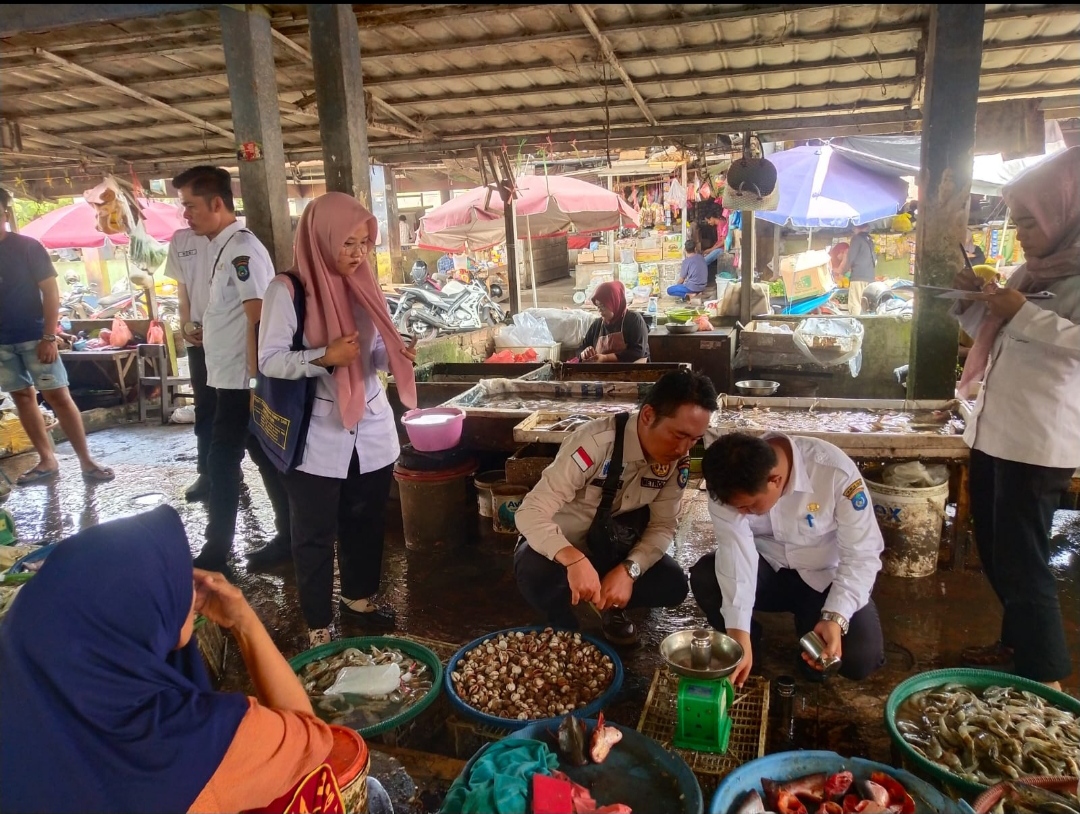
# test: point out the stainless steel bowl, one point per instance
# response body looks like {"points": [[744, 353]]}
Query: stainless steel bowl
{"points": [[726, 655], [682, 328], [757, 387]]}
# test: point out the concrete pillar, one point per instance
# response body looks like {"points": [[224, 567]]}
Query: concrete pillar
{"points": [[249, 61], [748, 260], [339, 92], [953, 61]]}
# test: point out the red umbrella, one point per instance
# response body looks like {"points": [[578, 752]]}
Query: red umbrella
{"points": [[547, 206], [75, 226]]}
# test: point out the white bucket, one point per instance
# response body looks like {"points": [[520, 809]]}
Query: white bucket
{"points": [[911, 521], [484, 482], [505, 500]]}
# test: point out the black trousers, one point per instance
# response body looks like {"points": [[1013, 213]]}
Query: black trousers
{"points": [[229, 438], [351, 512], [1013, 508], [545, 587], [784, 591], [205, 404]]}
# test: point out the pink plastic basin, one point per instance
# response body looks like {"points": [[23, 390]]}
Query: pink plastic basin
{"points": [[435, 428]]}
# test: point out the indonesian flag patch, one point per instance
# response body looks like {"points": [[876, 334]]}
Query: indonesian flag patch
{"points": [[582, 459]]}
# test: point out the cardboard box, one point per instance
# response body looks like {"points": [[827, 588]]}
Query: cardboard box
{"points": [[584, 256], [601, 255], [648, 255], [806, 275]]}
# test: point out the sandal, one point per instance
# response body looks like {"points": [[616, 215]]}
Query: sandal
{"points": [[989, 655], [99, 474], [36, 475]]}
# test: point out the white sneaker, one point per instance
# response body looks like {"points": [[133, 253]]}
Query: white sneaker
{"points": [[318, 636]]}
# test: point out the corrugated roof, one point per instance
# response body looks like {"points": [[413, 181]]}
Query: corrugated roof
{"points": [[533, 76]]}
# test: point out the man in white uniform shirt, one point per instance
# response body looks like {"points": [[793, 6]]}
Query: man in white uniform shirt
{"points": [[239, 271], [795, 533], [189, 265]]}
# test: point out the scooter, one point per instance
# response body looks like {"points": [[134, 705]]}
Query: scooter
{"points": [[457, 307]]}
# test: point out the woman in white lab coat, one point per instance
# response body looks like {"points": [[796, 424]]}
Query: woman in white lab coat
{"points": [[1025, 435], [339, 491]]}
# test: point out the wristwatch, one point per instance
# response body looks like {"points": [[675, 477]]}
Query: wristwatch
{"points": [[48, 337], [632, 568], [252, 382], [829, 616]]}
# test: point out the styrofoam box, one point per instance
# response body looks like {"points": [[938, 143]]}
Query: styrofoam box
{"points": [[544, 353]]}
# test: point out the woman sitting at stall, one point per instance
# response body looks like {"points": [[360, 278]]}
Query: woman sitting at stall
{"points": [[105, 702], [619, 335], [339, 491]]}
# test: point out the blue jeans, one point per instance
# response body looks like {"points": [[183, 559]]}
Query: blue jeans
{"points": [[681, 291], [710, 258], [20, 368]]}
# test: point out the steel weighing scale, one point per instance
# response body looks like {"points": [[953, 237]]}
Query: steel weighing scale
{"points": [[703, 659]]}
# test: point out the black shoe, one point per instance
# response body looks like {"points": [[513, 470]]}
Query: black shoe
{"points": [[209, 562], [378, 619], [618, 629], [199, 490], [276, 552]]}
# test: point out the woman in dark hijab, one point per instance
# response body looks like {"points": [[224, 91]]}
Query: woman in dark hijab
{"points": [[105, 702]]}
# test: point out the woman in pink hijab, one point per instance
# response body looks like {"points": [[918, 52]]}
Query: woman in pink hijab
{"points": [[1025, 432], [339, 491]]}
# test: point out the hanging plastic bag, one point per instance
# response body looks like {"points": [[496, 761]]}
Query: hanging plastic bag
{"points": [[156, 334], [369, 680], [120, 334]]}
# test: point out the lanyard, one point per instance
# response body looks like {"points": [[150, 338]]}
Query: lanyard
{"points": [[213, 268]]}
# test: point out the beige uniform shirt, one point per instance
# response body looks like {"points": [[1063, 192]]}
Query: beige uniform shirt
{"points": [[560, 509]]}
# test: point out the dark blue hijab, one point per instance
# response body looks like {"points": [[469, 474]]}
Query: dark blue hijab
{"points": [[98, 711]]}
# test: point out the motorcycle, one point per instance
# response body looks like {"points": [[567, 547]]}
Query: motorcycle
{"points": [[423, 313], [80, 301]]}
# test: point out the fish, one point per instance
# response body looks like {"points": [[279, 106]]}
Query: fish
{"points": [[810, 787], [874, 792], [571, 737], [1021, 798], [830, 807], [837, 785], [749, 803], [603, 738]]}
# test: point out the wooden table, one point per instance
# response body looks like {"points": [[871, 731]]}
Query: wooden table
{"points": [[111, 366]]}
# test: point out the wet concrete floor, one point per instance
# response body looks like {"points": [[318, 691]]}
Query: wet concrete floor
{"points": [[455, 595]]}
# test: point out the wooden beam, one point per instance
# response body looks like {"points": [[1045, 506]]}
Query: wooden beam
{"points": [[609, 54], [134, 94], [36, 134], [23, 19], [420, 131]]}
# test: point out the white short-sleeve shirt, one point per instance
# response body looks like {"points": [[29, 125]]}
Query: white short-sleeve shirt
{"points": [[241, 270], [189, 264]]}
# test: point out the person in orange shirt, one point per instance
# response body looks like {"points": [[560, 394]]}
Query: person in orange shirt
{"points": [[104, 697]]}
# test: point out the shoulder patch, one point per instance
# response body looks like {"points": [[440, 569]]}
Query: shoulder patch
{"points": [[661, 470], [859, 501], [242, 263], [684, 472], [582, 459], [856, 486]]}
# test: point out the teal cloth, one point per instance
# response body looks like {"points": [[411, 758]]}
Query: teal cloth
{"points": [[498, 779]]}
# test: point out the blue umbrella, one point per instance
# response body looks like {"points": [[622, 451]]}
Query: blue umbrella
{"points": [[820, 188]]}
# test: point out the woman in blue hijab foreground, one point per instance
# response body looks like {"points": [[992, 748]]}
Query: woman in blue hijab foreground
{"points": [[105, 702]]}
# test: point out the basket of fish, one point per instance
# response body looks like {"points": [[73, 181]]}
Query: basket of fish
{"points": [[512, 678], [972, 729], [819, 782], [371, 684]]}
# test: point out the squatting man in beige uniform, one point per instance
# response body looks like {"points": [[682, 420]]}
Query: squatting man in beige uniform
{"points": [[554, 565]]}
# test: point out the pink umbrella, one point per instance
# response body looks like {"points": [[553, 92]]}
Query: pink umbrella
{"points": [[75, 226], [547, 206]]}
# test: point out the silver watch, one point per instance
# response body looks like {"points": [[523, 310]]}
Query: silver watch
{"points": [[632, 568], [829, 616]]}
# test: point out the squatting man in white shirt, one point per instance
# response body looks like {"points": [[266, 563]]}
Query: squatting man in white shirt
{"points": [[795, 533]]}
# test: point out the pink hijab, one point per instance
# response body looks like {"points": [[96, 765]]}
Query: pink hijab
{"points": [[324, 227], [1050, 191]]}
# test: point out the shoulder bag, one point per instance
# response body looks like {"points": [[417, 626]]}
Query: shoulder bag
{"points": [[281, 409], [611, 537]]}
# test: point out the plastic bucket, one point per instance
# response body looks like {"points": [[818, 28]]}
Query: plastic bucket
{"points": [[505, 500], [911, 521], [483, 483], [436, 506], [350, 761]]}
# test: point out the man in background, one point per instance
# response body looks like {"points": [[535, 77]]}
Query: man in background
{"points": [[239, 269], [860, 261], [189, 265], [29, 356]]}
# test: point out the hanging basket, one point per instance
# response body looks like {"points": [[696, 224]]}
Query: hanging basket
{"points": [[752, 186]]}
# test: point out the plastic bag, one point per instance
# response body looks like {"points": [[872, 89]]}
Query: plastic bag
{"points": [[831, 341], [368, 680], [567, 326], [915, 475], [156, 334], [528, 331], [183, 415], [120, 334]]}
